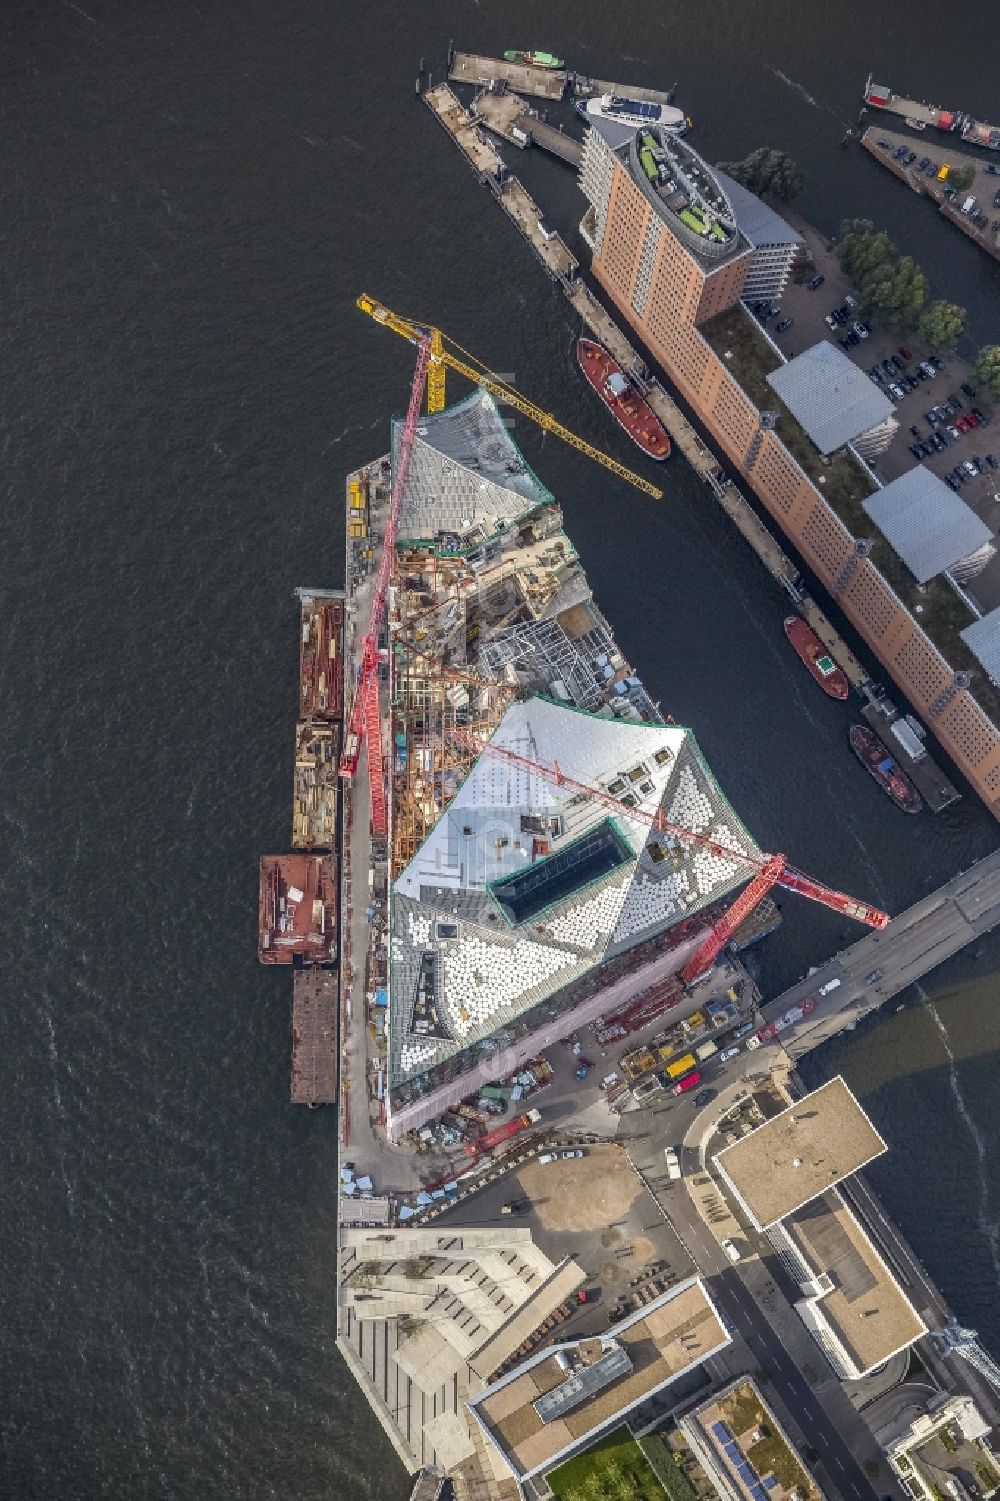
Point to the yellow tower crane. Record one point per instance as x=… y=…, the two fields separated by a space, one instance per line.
x=473 y=370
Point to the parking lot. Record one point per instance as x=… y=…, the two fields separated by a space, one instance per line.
x=808 y=311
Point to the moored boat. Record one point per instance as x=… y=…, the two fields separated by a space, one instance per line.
x=879 y=764
x=534 y=59
x=639 y=114
x=622 y=399
x=813 y=653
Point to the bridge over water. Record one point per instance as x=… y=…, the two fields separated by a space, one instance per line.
x=924 y=936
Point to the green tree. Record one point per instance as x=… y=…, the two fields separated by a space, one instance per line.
x=962 y=177
x=767 y=170
x=987 y=370
x=942 y=324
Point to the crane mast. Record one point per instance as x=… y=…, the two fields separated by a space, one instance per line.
x=442 y=357
x=366 y=721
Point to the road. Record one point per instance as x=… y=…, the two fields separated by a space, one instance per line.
x=749 y=1321
x=915 y=942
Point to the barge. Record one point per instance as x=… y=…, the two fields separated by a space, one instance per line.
x=811 y=651
x=622 y=400
x=880 y=765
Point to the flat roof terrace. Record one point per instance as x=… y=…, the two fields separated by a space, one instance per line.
x=669 y=1336
x=865 y=1309
x=800 y=1153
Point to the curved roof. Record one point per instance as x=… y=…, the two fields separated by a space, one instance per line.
x=685 y=192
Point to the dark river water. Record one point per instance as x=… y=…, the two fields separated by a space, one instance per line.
x=192 y=197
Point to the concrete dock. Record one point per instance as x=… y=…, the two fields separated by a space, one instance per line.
x=934 y=929
x=460 y=125
x=983 y=187
x=919 y=115
x=470 y=67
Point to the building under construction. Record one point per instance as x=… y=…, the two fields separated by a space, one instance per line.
x=516 y=900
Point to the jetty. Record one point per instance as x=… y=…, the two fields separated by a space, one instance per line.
x=918 y=114
x=314 y=1037
x=508 y=115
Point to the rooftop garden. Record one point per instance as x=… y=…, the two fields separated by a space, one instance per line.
x=941 y=612
x=770 y=1454
x=614 y=1469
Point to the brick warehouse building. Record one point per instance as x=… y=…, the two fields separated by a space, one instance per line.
x=669 y=251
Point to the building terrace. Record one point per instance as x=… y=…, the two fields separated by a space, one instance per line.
x=845 y=484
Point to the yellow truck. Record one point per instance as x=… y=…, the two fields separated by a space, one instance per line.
x=681 y=1066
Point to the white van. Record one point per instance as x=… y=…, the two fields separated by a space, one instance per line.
x=673 y=1166
x=830 y=985
x=549 y=1157
x=730 y=1250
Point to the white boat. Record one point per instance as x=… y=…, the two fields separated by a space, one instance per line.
x=636 y=113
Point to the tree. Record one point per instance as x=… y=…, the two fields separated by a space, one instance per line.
x=767 y=170
x=962 y=177
x=987 y=370
x=942 y=324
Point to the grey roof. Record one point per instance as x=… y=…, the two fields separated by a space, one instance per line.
x=983 y=640
x=759 y=223
x=613 y=131
x=832 y=399
x=929 y=526
x=467 y=476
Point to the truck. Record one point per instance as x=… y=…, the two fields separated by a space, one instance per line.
x=502 y=1133
x=681 y=1066
x=673 y=1165
x=705 y=1050
x=690 y=1082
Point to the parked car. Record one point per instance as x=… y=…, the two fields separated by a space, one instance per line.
x=897 y=391
x=905 y=353
x=852 y=339
x=549 y=1157
x=862 y=330
x=937 y=362
x=923 y=164
x=874 y=977
x=831 y=321
x=954 y=433
x=917 y=450
x=728 y=1053
x=977 y=463
x=932 y=417
x=573 y=1152
x=992 y=460
x=993 y=170
x=978 y=415
x=956 y=405
x=969 y=468
x=915 y=430
x=972 y=419
x=816 y=283
x=969 y=391
x=785 y=324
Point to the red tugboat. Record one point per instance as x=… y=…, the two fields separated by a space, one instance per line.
x=622 y=399
x=815 y=656
x=878 y=763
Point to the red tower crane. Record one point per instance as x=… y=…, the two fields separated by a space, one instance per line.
x=366 y=720
x=772 y=870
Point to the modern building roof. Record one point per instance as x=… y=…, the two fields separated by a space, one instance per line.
x=761 y=1468
x=800 y=1153
x=467 y=477
x=928 y=525
x=983 y=640
x=686 y=194
x=523 y=886
x=758 y=221
x=859 y=1300
x=634 y=1359
x=829 y=396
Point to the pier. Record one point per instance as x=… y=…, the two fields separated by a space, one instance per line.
x=934 y=929
x=543 y=83
x=919 y=115
x=449 y=110
x=507 y=115
x=983 y=187
x=314 y=1037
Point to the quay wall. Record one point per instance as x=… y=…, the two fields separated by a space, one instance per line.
x=675 y=300
x=929 y=187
